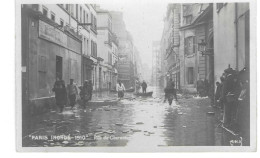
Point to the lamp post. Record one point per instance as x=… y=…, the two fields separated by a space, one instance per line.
x=202 y=48
x=82 y=24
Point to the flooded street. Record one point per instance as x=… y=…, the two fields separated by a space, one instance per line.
x=131 y=122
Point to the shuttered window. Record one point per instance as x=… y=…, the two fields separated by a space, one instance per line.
x=189 y=44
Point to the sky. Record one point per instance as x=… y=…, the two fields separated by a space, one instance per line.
x=145 y=23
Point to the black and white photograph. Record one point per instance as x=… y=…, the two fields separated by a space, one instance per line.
x=140 y=76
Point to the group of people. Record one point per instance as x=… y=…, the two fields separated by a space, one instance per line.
x=203 y=88
x=69 y=94
x=142 y=85
x=232 y=96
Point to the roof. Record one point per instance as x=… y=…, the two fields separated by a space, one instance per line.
x=200 y=19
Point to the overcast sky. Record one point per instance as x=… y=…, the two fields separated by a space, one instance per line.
x=145 y=23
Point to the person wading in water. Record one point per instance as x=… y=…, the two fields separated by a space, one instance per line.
x=72 y=93
x=120 y=88
x=60 y=94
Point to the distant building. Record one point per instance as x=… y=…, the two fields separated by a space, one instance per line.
x=187 y=25
x=114 y=60
x=56 y=44
x=156 y=64
x=126 y=72
x=147 y=74
x=106 y=46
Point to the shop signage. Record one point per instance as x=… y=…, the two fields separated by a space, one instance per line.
x=52 y=34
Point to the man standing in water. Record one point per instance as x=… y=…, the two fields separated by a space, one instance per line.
x=170 y=92
x=144 y=86
x=120 y=88
x=90 y=89
x=72 y=93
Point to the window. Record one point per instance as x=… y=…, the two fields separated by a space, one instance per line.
x=219 y=6
x=84 y=18
x=189 y=46
x=109 y=39
x=53 y=17
x=95 y=23
x=72 y=10
x=77 y=7
x=35 y=7
x=93 y=49
x=67 y=7
x=188 y=19
x=85 y=46
x=42 y=80
x=109 y=58
x=61 y=22
x=92 y=24
x=45 y=11
x=80 y=14
x=42 y=70
x=190 y=75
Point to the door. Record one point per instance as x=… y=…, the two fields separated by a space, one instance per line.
x=59 y=67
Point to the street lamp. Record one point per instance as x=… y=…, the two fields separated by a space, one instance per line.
x=82 y=24
x=202 y=48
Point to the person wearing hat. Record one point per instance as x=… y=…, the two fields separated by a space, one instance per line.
x=230 y=93
x=120 y=88
x=72 y=93
x=84 y=94
x=60 y=94
x=90 y=89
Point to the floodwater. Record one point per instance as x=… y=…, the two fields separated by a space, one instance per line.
x=132 y=122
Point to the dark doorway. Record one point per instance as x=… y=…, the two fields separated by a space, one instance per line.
x=59 y=67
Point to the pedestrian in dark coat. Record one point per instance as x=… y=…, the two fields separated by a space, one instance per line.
x=244 y=104
x=170 y=92
x=206 y=87
x=60 y=94
x=90 y=89
x=200 y=87
x=72 y=93
x=230 y=93
x=144 y=86
x=84 y=94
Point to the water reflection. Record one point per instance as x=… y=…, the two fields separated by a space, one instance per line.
x=131 y=122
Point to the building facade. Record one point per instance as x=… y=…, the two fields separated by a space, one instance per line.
x=169 y=46
x=114 y=60
x=126 y=72
x=235 y=28
x=156 y=64
x=58 y=41
x=108 y=49
x=187 y=25
x=232 y=43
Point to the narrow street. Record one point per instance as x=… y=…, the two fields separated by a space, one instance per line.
x=133 y=121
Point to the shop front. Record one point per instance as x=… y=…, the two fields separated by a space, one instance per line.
x=49 y=53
